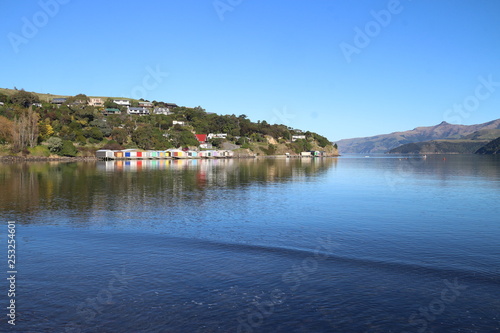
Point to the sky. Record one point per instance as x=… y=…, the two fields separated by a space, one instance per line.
x=340 y=68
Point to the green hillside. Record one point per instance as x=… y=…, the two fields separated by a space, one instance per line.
x=31 y=125
x=492 y=148
x=440 y=147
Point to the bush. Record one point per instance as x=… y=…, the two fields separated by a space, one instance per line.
x=40 y=151
x=120 y=135
x=54 y=144
x=68 y=149
x=81 y=139
x=271 y=149
x=112 y=145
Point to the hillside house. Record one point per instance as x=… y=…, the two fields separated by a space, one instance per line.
x=177 y=122
x=58 y=101
x=202 y=138
x=109 y=111
x=164 y=111
x=122 y=102
x=138 y=110
x=145 y=104
x=216 y=136
x=298 y=137
x=171 y=105
x=96 y=101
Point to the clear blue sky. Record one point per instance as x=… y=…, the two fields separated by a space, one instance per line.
x=301 y=62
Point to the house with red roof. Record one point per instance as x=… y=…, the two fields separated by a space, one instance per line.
x=202 y=138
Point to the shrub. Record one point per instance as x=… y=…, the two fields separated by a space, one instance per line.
x=40 y=151
x=113 y=145
x=68 y=149
x=81 y=139
x=54 y=144
x=120 y=135
x=271 y=149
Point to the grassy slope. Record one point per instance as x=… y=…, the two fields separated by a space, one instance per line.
x=49 y=97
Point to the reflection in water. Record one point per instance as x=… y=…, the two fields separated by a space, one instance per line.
x=84 y=187
x=214 y=240
x=399 y=169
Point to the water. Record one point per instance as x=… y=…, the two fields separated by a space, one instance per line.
x=354 y=244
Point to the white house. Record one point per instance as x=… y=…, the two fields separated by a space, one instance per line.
x=176 y=122
x=122 y=102
x=165 y=111
x=216 y=136
x=146 y=104
x=95 y=101
x=298 y=137
x=137 y=110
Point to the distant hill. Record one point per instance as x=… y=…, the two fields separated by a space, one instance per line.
x=493 y=147
x=468 y=144
x=440 y=147
x=386 y=142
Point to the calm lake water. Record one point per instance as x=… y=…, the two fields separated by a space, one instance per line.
x=349 y=244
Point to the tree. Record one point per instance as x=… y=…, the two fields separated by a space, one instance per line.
x=322 y=141
x=24 y=98
x=45 y=130
x=217 y=143
x=6 y=126
x=102 y=125
x=110 y=104
x=25 y=130
x=4 y=98
x=271 y=149
x=93 y=133
x=114 y=120
x=67 y=133
x=301 y=145
x=120 y=135
x=54 y=144
x=149 y=137
x=113 y=145
x=78 y=99
x=85 y=112
x=68 y=149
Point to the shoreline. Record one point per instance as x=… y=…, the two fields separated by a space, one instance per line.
x=46 y=159
x=93 y=158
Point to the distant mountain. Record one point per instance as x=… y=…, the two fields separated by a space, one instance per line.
x=384 y=143
x=493 y=147
x=440 y=147
x=468 y=144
